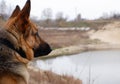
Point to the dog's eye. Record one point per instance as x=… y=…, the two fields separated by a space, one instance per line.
x=35 y=34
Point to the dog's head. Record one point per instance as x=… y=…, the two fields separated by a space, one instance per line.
x=26 y=33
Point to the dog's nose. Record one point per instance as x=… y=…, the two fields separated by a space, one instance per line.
x=43 y=49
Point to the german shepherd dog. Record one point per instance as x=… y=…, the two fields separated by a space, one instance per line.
x=19 y=43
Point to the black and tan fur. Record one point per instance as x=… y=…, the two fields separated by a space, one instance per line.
x=19 y=43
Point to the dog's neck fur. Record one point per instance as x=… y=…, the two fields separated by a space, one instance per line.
x=7 y=42
x=10 y=50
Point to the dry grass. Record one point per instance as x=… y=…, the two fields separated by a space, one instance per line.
x=48 y=77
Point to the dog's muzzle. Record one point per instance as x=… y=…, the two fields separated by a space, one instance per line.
x=42 y=50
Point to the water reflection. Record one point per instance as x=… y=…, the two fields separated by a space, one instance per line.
x=96 y=67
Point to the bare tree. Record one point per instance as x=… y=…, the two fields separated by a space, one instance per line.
x=60 y=20
x=78 y=18
x=59 y=15
x=47 y=15
x=3 y=8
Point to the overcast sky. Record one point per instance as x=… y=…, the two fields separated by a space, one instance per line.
x=89 y=9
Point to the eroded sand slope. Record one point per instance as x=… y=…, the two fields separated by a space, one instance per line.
x=109 y=33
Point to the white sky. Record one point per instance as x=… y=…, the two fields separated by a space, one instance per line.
x=89 y=9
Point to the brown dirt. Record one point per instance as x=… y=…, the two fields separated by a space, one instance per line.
x=60 y=39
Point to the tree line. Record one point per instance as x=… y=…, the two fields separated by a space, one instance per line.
x=60 y=20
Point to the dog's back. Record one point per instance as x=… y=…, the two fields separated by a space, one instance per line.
x=11 y=71
x=8 y=78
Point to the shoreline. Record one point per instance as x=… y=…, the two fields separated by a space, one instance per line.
x=76 y=49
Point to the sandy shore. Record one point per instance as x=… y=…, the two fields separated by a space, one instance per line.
x=79 y=49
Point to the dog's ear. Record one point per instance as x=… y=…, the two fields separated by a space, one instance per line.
x=15 y=12
x=25 y=12
x=23 y=17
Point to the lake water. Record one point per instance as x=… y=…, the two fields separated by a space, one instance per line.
x=94 y=67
